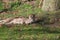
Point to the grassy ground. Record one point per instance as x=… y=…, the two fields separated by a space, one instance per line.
x=27 y=32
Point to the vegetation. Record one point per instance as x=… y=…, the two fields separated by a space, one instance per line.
x=47 y=29
x=1 y=6
x=29 y=32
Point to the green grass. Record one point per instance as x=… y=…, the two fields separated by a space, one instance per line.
x=24 y=9
x=1 y=6
x=29 y=32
